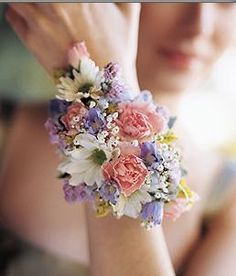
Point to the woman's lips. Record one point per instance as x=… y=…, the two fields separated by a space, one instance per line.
x=178 y=59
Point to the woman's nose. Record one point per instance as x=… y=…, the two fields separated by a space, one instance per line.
x=201 y=19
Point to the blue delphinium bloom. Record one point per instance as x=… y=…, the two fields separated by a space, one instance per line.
x=152 y=212
x=109 y=191
x=95 y=121
x=150 y=155
x=57 y=108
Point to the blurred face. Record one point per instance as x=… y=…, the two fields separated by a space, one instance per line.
x=180 y=42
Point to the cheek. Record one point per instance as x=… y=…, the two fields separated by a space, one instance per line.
x=157 y=27
x=158 y=21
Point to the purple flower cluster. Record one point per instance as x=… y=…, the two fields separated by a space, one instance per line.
x=79 y=193
x=117 y=92
x=111 y=71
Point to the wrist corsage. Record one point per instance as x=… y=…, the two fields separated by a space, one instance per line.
x=119 y=151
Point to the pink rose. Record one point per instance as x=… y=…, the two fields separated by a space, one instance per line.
x=76 y=53
x=128 y=171
x=73 y=117
x=138 y=121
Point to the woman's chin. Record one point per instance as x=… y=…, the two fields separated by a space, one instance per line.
x=172 y=83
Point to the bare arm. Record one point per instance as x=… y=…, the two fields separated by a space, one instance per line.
x=122 y=247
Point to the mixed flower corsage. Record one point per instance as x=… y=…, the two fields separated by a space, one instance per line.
x=119 y=150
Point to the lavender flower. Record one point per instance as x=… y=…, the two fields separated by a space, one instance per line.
x=109 y=191
x=55 y=136
x=150 y=155
x=79 y=193
x=111 y=71
x=95 y=121
x=52 y=130
x=153 y=212
x=116 y=92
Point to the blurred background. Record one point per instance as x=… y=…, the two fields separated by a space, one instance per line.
x=209 y=112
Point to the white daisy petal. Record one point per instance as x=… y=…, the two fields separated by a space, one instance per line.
x=89 y=178
x=120 y=205
x=87 y=141
x=80 y=153
x=76 y=179
x=99 y=177
x=62 y=167
x=83 y=165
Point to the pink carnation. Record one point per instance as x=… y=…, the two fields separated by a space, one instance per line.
x=128 y=171
x=76 y=53
x=138 y=121
x=73 y=117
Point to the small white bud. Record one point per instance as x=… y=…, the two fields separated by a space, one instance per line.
x=160 y=168
x=76 y=119
x=115 y=130
x=135 y=143
x=104 y=133
x=86 y=95
x=109 y=118
x=76 y=140
x=115 y=115
x=92 y=104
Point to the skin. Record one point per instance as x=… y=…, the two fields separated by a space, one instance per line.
x=196 y=29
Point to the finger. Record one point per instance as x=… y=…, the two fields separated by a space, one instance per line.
x=26 y=10
x=18 y=23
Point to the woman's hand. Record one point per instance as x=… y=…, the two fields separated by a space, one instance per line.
x=48 y=30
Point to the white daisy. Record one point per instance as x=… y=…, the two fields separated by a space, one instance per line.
x=85 y=162
x=132 y=205
x=88 y=77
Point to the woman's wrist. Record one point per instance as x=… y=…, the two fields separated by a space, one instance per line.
x=120 y=247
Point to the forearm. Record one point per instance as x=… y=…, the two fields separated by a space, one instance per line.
x=31 y=197
x=121 y=247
